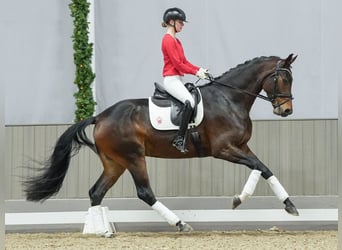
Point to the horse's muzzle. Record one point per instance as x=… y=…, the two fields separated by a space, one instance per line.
x=282 y=111
x=283 y=107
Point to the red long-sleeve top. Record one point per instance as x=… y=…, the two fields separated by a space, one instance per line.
x=175 y=62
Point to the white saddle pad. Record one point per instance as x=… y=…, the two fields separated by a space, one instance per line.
x=160 y=117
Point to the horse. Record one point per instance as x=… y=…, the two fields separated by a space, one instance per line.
x=123 y=136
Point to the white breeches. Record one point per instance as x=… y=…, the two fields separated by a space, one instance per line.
x=174 y=86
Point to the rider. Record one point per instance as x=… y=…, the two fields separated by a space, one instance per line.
x=175 y=66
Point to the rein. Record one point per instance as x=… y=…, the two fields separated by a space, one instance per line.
x=266 y=98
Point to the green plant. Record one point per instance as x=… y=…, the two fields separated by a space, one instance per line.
x=83 y=51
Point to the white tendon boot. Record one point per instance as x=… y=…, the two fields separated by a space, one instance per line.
x=250 y=185
x=108 y=225
x=97 y=222
x=277 y=188
x=171 y=218
x=166 y=213
x=248 y=189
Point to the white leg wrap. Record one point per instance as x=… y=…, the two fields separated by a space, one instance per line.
x=250 y=185
x=110 y=228
x=277 y=188
x=97 y=222
x=97 y=218
x=166 y=213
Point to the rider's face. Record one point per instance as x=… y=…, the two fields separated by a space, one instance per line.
x=178 y=25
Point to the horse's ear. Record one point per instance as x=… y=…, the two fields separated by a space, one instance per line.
x=290 y=59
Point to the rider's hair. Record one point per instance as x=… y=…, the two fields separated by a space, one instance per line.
x=163 y=24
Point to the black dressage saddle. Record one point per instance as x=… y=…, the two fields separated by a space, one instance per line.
x=162 y=98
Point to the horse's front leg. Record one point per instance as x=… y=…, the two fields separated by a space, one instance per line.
x=275 y=185
x=145 y=193
x=258 y=169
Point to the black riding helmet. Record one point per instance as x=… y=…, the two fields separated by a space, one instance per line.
x=174 y=14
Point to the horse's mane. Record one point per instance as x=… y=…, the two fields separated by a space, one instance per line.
x=247 y=64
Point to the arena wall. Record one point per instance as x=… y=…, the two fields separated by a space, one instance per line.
x=301 y=153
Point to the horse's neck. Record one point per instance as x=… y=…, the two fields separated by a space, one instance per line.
x=248 y=84
x=252 y=82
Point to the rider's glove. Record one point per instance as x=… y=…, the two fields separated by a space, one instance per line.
x=202 y=73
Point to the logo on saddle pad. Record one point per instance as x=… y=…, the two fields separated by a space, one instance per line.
x=166 y=111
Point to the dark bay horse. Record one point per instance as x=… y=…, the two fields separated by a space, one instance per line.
x=123 y=136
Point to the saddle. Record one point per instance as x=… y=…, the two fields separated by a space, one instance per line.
x=165 y=112
x=162 y=98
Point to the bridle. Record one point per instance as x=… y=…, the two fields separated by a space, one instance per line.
x=271 y=98
x=276 y=92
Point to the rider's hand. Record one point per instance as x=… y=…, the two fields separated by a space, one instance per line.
x=210 y=77
x=202 y=73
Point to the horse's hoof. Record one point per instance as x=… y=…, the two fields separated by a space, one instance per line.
x=236 y=202
x=184 y=227
x=292 y=210
x=106 y=234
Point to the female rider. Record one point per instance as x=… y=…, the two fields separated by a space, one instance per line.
x=175 y=66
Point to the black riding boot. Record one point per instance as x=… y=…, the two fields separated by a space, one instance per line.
x=180 y=140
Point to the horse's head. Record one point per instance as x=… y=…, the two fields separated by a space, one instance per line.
x=278 y=85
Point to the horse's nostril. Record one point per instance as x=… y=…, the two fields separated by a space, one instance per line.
x=288 y=111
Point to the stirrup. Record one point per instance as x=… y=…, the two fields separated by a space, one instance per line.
x=179 y=143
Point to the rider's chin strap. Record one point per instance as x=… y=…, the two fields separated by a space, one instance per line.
x=174 y=26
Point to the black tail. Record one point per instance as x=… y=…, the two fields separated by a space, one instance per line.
x=49 y=182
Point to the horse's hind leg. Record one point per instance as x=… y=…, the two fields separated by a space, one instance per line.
x=145 y=193
x=112 y=171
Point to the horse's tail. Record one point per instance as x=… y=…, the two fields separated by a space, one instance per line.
x=49 y=181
